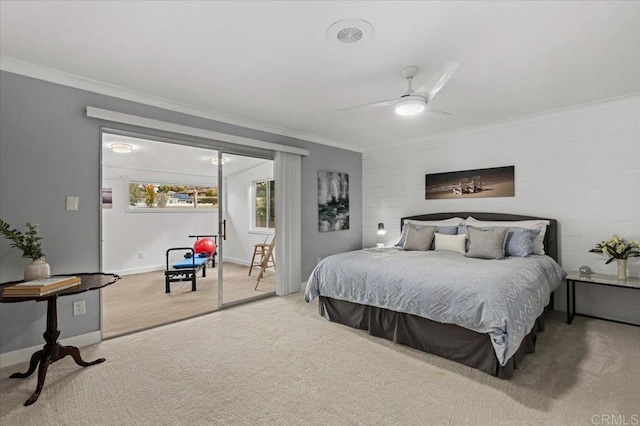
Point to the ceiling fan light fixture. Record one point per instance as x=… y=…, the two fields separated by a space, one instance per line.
x=121 y=148
x=412 y=105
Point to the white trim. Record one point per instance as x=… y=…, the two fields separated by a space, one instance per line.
x=149 y=123
x=243 y=263
x=22 y=355
x=186 y=209
x=522 y=119
x=237 y=261
x=152 y=268
x=71 y=80
x=303 y=285
x=252 y=207
x=262 y=231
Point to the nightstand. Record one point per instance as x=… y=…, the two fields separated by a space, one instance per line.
x=596 y=279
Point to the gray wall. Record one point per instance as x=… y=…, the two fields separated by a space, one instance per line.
x=49 y=149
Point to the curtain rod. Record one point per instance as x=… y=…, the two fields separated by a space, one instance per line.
x=150 y=123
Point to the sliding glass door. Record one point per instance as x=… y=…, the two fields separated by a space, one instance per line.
x=159 y=210
x=182 y=223
x=247 y=226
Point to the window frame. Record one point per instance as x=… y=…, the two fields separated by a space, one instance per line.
x=253 y=229
x=129 y=209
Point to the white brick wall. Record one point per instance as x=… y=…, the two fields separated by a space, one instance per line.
x=578 y=165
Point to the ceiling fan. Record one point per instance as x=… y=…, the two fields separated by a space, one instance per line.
x=415 y=101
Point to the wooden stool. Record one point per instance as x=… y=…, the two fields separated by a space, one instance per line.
x=259 y=249
x=267 y=262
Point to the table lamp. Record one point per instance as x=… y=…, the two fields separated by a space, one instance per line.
x=381 y=232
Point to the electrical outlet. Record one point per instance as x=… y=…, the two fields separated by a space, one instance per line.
x=79 y=307
x=140 y=255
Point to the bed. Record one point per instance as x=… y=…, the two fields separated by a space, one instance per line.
x=481 y=313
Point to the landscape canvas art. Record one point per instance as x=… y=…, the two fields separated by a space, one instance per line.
x=478 y=183
x=333 y=201
x=107 y=198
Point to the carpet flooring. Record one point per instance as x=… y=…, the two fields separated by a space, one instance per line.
x=138 y=301
x=276 y=361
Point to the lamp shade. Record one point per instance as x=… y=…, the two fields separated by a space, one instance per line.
x=381 y=230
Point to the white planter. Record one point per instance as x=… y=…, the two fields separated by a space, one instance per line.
x=622 y=269
x=36 y=270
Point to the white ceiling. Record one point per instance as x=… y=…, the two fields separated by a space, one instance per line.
x=153 y=156
x=269 y=62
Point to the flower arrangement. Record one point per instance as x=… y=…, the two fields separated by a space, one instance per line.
x=30 y=243
x=618 y=248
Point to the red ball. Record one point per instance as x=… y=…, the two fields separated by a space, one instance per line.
x=205 y=245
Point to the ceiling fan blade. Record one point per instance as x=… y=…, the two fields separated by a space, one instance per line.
x=438 y=80
x=374 y=104
x=434 y=113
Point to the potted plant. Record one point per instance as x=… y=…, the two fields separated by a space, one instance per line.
x=30 y=243
x=619 y=249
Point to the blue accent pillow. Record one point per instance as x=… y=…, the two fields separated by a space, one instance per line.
x=520 y=241
x=447 y=230
x=462 y=229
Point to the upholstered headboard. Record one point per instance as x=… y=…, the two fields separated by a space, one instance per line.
x=550 y=237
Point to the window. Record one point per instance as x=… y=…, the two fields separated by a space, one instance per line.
x=146 y=196
x=263 y=204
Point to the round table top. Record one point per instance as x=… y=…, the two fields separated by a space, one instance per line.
x=89 y=281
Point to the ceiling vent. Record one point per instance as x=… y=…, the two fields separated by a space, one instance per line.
x=349 y=33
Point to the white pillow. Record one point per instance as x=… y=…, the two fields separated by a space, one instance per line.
x=450 y=242
x=540 y=225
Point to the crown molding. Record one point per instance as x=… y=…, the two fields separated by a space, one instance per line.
x=71 y=80
x=524 y=119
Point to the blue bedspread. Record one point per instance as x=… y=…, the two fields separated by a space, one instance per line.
x=500 y=297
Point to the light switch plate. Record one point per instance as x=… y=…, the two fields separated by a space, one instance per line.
x=72 y=203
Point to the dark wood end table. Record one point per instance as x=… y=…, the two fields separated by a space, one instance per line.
x=53 y=350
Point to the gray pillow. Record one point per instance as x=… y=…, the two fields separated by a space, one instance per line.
x=418 y=238
x=447 y=230
x=487 y=243
x=520 y=241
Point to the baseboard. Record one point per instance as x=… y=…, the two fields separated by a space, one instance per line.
x=139 y=270
x=303 y=285
x=238 y=261
x=22 y=355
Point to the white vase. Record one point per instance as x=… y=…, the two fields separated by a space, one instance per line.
x=36 y=270
x=622 y=269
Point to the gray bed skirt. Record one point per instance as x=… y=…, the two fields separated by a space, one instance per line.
x=446 y=340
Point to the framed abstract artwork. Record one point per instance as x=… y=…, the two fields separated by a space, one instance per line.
x=333 y=201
